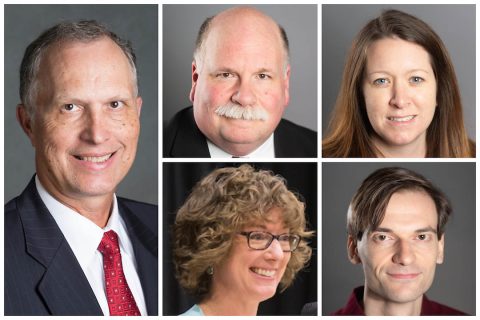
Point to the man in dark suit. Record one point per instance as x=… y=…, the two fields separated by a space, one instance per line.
x=72 y=247
x=240 y=89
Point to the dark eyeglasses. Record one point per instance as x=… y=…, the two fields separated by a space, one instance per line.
x=261 y=240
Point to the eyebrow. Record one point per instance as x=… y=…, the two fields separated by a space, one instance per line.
x=408 y=71
x=421 y=230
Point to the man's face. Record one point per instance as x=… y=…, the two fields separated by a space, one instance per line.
x=400 y=256
x=86 y=121
x=243 y=65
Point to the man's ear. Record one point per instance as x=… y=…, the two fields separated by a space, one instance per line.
x=441 y=244
x=353 y=250
x=194 y=80
x=139 y=103
x=287 y=86
x=25 y=122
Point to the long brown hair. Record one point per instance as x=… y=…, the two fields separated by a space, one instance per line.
x=349 y=132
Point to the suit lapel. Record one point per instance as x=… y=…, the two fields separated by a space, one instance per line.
x=63 y=287
x=145 y=246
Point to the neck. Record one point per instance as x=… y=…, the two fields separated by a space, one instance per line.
x=413 y=150
x=374 y=305
x=228 y=304
x=95 y=208
x=239 y=149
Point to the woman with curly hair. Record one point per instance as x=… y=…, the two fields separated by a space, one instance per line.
x=240 y=234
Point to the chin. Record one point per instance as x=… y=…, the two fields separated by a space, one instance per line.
x=404 y=295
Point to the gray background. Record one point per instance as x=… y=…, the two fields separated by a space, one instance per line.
x=180 y=27
x=454 y=283
x=455 y=24
x=137 y=23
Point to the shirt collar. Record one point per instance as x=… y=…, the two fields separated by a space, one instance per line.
x=82 y=234
x=266 y=150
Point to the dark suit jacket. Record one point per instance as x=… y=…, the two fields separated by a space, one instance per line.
x=183 y=139
x=42 y=275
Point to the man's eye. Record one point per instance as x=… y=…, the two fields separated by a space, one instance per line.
x=225 y=75
x=116 y=104
x=263 y=76
x=70 y=107
x=423 y=237
x=380 y=237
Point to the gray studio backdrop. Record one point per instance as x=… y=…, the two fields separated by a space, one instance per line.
x=454 y=283
x=180 y=27
x=137 y=23
x=455 y=24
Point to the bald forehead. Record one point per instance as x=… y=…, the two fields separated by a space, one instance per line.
x=244 y=23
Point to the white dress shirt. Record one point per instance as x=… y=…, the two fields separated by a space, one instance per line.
x=84 y=236
x=266 y=150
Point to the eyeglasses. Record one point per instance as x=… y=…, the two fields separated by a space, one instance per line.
x=261 y=240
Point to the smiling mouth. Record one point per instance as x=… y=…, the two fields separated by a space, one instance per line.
x=401 y=119
x=404 y=276
x=95 y=159
x=263 y=272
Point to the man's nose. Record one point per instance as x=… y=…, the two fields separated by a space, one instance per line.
x=404 y=253
x=401 y=95
x=96 y=129
x=244 y=94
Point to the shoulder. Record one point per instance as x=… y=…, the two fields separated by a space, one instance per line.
x=354 y=306
x=432 y=308
x=294 y=141
x=193 y=311
x=182 y=138
x=145 y=212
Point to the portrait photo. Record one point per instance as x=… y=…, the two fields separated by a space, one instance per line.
x=138 y=24
x=198 y=43
x=378 y=231
x=398 y=80
x=239 y=239
x=81 y=160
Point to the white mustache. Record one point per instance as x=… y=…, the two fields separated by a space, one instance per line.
x=235 y=111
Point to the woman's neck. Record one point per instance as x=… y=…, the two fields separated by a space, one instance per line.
x=228 y=304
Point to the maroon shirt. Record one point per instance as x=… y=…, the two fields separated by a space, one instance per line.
x=354 y=307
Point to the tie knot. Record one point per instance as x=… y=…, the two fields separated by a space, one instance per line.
x=109 y=243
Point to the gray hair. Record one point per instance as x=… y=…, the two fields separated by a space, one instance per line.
x=81 y=31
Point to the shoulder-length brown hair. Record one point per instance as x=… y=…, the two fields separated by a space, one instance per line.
x=349 y=132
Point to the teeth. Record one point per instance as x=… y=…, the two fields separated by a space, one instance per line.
x=96 y=159
x=401 y=119
x=264 y=272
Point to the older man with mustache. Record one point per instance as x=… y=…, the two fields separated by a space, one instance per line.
x=240 y=89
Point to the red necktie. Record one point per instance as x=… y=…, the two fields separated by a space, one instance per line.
x=119 y=297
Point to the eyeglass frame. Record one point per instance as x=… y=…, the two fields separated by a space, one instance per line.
x=274 y=237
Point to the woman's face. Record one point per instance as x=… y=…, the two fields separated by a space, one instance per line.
x=400 y=92
x=253 y=274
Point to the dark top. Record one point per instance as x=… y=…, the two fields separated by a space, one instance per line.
x=42 y=275
x=354 y=307
x=183 y=139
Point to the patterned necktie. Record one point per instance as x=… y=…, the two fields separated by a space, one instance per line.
x=119 y=297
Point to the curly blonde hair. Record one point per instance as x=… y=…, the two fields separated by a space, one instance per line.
x=220 y=205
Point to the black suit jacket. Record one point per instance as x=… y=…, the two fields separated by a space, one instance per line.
x=183 y=139
x=42 y=275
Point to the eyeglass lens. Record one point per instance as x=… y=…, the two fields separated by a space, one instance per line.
x=262 y=240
